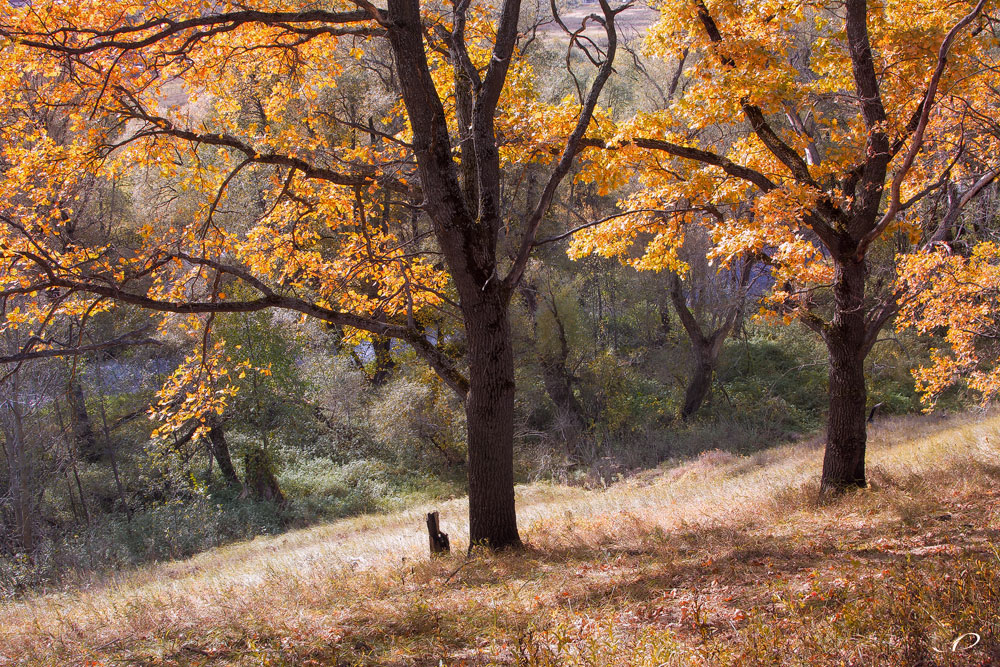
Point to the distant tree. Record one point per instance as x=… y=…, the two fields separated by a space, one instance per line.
x=710 y=300
x=710 y=310
x=552 y=308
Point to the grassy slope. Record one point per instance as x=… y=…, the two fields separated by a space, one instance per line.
x=720 y=560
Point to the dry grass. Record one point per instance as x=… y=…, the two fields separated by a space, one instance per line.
x=720 y=560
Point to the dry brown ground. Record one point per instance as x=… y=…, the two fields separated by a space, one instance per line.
x=720 y=560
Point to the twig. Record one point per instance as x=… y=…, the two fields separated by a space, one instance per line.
x=459 y=569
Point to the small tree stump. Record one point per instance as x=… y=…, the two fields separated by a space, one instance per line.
x=438 y=540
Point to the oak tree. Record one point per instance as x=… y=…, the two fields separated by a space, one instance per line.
x=836 y=121
x=373 y=225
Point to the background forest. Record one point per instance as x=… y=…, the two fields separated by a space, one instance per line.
x=622 y=361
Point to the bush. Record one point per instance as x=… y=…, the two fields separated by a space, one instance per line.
x=322 y=488
x=174 y=529
x=775 y=374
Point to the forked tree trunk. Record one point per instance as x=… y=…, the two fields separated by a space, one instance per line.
x=705 y=348
x=468 y=224
x=490 y=415
x=844 y=460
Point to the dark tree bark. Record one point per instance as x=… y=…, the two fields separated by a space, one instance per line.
x=220 y=451
x=700 y=383
x=665 y=328
x=83 y=430
x=261 y=482
x=438 y=541
x=79 y=491
x=847 y=343
x=490 y=416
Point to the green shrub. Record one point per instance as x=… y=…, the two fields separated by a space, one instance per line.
x=322 y=488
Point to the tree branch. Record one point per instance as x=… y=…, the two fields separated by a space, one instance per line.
x=917 y=141
x=572 y=147
x=778 y=147
x=163 y=28
x=28 y=354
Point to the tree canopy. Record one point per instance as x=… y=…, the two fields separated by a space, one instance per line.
x=821 y=139
x=387 y=170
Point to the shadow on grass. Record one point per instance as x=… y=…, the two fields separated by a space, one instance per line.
x=886 y=576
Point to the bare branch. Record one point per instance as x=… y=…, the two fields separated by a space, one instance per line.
x=27 y=352
x=572 y=147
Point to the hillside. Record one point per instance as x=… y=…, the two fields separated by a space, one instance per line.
x=718 y=560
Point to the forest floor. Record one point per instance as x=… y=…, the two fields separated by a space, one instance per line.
x=714 y=561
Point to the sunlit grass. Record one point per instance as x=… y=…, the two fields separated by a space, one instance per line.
x=717 y=560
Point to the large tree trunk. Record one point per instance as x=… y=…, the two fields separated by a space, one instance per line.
x=220 y=451
x=844 y=461
x=490 y=414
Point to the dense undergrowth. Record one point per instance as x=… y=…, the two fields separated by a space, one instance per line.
x=354 y=450
x=318 y=490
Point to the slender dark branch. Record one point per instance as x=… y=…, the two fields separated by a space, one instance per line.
x=27 y=353
x=270 y=299
x=221 y=191
x=877 y=318
x=163 y=28
x=595 y=223
x=763 y=183
x=917 y=141
x=573 y=146
x=164 y=127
